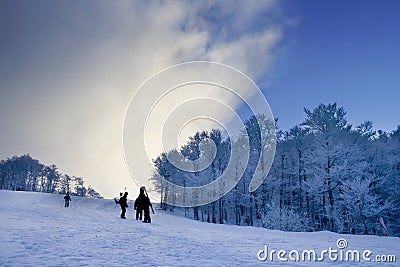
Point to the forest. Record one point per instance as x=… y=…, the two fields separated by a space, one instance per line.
x=326 y=175
x=23 y=173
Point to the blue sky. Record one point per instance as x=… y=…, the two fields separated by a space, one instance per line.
x=69 y=69
x=339 y=51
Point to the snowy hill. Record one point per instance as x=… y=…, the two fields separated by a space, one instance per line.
x=36 y=230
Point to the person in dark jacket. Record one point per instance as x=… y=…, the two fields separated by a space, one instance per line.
x=138 y=205
x=67 y=199
x=123 y=202
x=143 y=203
x=146 y=208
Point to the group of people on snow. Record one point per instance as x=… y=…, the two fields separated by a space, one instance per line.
x=142 y=205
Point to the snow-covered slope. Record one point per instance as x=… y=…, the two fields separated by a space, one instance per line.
x=36 y=230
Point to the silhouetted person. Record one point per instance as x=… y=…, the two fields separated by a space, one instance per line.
x=67 y=199
x=138 y=205
x=146 y=208
x=144 y=204
x=123 y=203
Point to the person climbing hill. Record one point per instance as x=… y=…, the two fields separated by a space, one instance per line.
x=143 y=203
x=123 y=202
x=138 y=206
x=67 y=199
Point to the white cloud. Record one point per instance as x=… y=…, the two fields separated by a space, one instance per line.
x=67 y=101
x=252 y=54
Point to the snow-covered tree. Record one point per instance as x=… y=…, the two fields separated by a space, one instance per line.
x=28 y=174
x=326 y=175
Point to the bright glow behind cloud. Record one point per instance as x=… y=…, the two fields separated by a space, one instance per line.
x=81 y=65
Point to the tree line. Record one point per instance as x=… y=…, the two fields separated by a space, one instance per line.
x=24 y=173
x=326 y=175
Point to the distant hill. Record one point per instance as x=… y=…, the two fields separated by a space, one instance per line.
x=24 y=173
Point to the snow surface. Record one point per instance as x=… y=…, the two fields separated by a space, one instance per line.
x=36 y=230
